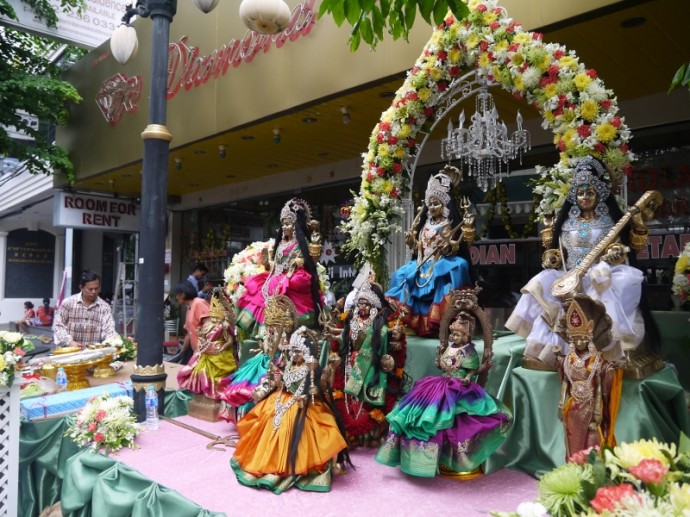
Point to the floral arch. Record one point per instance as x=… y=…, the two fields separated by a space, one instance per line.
x=572 y=100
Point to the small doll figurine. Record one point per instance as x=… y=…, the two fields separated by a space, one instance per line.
x=214 y=358
x=591 y=385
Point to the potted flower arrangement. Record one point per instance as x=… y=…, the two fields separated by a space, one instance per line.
x=13 y=346
x=105 y=422
x=681 y=278
x=645 y=477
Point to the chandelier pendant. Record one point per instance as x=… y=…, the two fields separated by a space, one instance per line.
x=485 y=148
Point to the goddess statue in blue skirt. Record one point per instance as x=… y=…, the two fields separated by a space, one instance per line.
x=419 y=286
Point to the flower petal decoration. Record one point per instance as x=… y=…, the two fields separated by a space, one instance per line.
x=572 y=100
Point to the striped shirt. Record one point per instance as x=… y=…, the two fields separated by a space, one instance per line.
x=74 y=321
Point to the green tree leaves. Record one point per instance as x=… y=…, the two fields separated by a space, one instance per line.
x=370 y=18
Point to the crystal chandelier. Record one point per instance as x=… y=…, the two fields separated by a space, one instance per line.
x=484 y=148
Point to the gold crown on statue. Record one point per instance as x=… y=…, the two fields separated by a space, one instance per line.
x=280 y=311
x=579 y=325
x=221 y=306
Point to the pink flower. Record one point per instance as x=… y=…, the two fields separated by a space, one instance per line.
x=481 y=8
x=649 y=471
x=580 y=457
x=392 y=140
x=92 y=427
x=616 y=121
x=442 y=55
x=494 y=26
x=18 y=351
x=100 y=415
x=98 y=437
x=380 y=171
x=584 y=130
x=394 y=192
x=397 y=168
x=607 y=497
x=606 y=104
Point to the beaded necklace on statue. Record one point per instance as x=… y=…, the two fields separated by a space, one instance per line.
x=290 y=377
x=286 y=253
x=581 y=390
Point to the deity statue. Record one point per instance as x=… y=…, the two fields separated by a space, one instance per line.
x=291 y=273
x=366 y=363
x=215 y=357
x=237 y=389
x=586 y=230
x=591 y=385
x=419 y=286
x=447 y=423
x=293 y=436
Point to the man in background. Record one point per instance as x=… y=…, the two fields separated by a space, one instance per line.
x=84 y=318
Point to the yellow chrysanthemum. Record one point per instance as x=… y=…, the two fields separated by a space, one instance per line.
x=568 y=137
x=549 y=116
x=589 y=110
x=568 y=62
x=386 y=186
x=582 y=80
x=383 y=150
x=502 y=46
x=436 y=74
x=405 y=131
x=484 y=60
x=519 y=83
x=3 y=363
x=522 y=38
x=454 y=55
x=489 y=17
x=550 y=90
x=431 y=60
x=399 y=152
x=435 y=38
x=606 y=132
x=424 y=94
x=517 y=59
x=631 y=454
x=472 y=41
x=371 y=155
x=682 y=264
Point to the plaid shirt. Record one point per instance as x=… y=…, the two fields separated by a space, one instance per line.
x=74 y=321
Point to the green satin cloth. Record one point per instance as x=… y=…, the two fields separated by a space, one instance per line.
x=674 y=329
x=507 y=348
x=100 y=486
x=44 y=453
x=652 y=407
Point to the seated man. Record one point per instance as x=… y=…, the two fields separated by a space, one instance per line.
x=43 y=318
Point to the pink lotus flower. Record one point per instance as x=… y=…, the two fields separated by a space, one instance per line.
x=98 y=437
x=649 y=471
x=607 y=497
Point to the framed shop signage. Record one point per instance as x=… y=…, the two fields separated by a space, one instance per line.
x=95 y=213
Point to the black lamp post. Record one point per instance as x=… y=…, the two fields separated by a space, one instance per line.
x=269 y=16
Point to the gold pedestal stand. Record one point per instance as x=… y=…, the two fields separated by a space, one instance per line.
x=76 y=374
x=449 y=473
x=103 y=369
x=204 y=408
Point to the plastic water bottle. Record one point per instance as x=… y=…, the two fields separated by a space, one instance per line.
x=61 y=380
x=151 y=409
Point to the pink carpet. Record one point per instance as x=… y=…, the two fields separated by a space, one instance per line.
x=178 y=459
